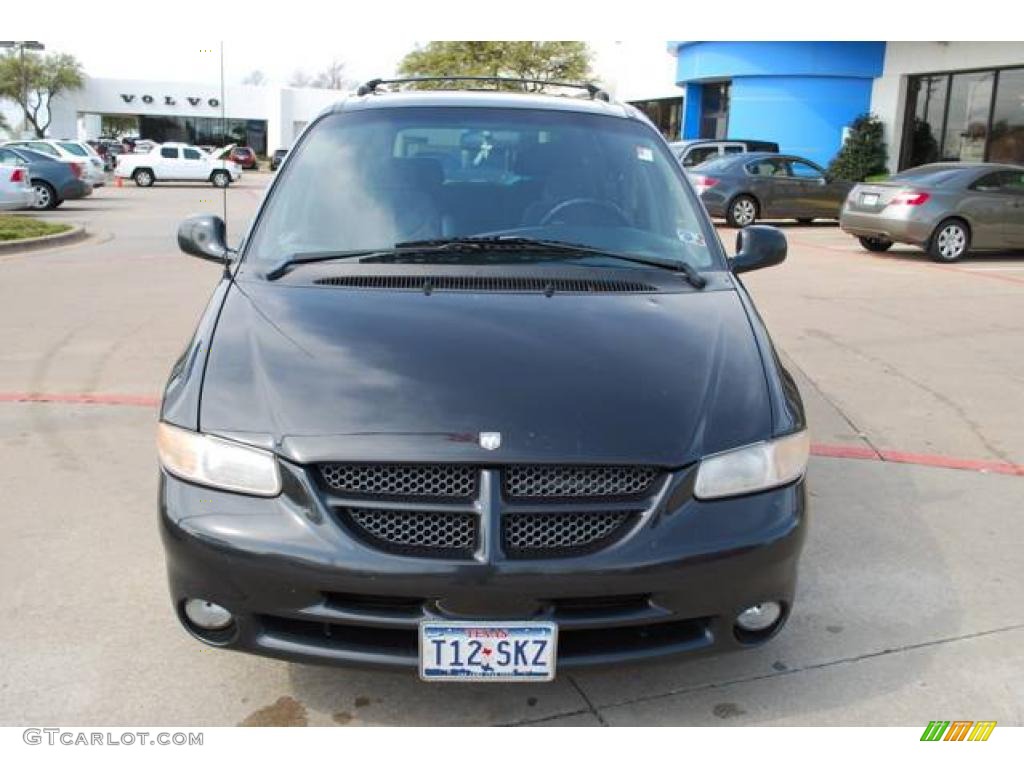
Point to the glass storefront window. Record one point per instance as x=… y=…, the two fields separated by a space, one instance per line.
x=666 y=114
x=927 y=104
x=1006 y=144
x=970 y=98
x=205 y=131
x=714 y=110
x=964 y=116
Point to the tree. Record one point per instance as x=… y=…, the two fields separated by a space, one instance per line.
x=333 y=77
x=119 y=125
x=299 y=79
x=863 y=153
x=256 y=77
x=567 y=61
x=5 y=128
x=32 y=81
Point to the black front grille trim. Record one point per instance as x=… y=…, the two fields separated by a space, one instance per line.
x=562 y=534
x=413 y=532
x=540 y=481
x=575 y=645
x=402 y=481
x=377 y=605
x=485 y=283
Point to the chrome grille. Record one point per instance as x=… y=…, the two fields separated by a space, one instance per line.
x=552 y=482
x=398 y=480
x=423 y=533
x=549 y=534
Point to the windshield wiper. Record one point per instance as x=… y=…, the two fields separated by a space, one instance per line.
x=282 y=267
x=421 y=248
x=500 y=242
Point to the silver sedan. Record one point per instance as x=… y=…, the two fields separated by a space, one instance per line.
x=948 y=209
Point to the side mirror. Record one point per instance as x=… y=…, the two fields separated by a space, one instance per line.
x=758 y=246
x=204 y=236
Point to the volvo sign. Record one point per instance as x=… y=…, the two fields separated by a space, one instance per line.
x=170 y=101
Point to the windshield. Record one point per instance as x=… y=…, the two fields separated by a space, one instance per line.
x=368 y=180
x=74 y=149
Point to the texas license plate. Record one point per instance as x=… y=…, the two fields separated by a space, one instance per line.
x=463 y=651
x=869 y=198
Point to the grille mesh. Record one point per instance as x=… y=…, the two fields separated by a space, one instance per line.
x=434 y=481
x=539 y=533
x=496 y=283
x=423 y=532
x=539 y=482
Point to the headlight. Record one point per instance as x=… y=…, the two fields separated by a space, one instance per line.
x=751 y=468
x=216 y=462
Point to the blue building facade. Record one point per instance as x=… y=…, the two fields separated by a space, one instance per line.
x=798 y=94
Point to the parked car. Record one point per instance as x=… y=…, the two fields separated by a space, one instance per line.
x=68 y=152
x=435 y=419
x=52 y=181
x=948 y=209
x=243 y=157
x=15 y=189
x=176 y=162
x=277 y=158
x=693 y=152
x=759 y=185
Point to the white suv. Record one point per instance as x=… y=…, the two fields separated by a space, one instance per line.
x=69 y=151
x=176 y=162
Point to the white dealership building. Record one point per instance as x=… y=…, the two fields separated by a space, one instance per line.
x=262 y=117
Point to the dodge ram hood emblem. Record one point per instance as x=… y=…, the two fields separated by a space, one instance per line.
x=490 y=441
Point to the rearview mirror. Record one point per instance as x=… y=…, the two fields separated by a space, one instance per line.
x=204 y=236
x=758 y=246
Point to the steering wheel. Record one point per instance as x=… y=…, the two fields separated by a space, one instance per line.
x=589 y=202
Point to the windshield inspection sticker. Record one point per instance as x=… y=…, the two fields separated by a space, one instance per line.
x=645 y=153
x=696 y=238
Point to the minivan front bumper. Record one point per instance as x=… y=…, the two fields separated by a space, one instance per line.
x=301 y=587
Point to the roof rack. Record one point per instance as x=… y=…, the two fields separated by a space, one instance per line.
x=370 y=86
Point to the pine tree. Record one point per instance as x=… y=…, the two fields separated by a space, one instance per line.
x=863 y=154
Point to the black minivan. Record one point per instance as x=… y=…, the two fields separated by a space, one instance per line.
x=481 y=395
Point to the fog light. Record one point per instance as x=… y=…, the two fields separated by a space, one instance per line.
x=760 y=617
x=207 y=615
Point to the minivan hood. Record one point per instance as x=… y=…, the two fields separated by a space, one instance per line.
x=324 y=373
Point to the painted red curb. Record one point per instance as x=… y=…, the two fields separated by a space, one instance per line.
x=844 y=451
x=949 y=462
x=79 y=399
x=918 y=459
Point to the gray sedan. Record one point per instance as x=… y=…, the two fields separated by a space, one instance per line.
x=762 y=185
x=947 y=209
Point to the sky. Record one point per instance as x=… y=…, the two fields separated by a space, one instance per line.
x=637 y=68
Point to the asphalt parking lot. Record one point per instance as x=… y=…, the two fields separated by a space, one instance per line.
x=911 y=601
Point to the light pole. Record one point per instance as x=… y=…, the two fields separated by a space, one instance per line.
x=22 y=46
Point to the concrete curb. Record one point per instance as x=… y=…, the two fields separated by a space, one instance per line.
x=77 y=232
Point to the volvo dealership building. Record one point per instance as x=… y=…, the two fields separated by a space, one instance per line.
x=937 y=100
x=264 y=118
